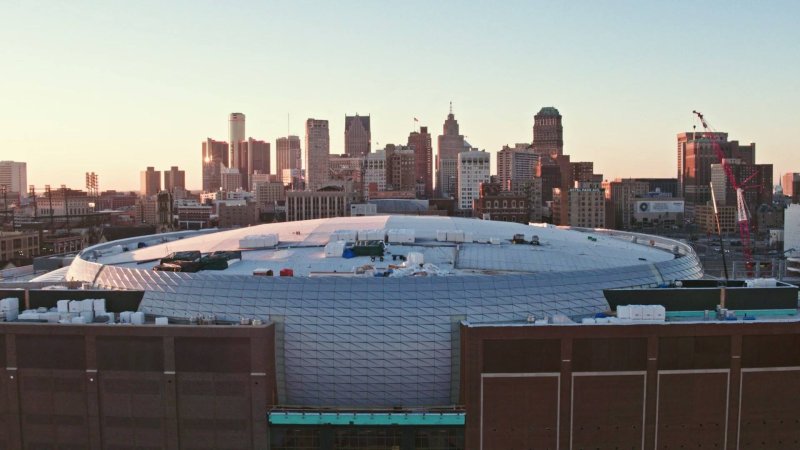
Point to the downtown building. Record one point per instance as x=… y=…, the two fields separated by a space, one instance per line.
x=14 y=176
x=757 y=179
x=516 y=165
x=790 y=183
x=548 y=133
x=420 y=142
x=150 y=182
x=317 y=151
x=450 y=144
x=696 y=154
x=215 y=158
x=473 y=171
x=288 y=154
x=357 y=136
x=174 y=178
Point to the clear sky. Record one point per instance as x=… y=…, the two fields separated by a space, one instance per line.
x=112 y=87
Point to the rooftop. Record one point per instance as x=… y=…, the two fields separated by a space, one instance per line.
x=488 y=249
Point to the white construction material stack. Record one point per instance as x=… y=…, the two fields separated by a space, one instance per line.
x=259 y=241
x=469 y=237
x=441 y=235
x=414 y=259
x=371 y=235
x=344 y=235
x=642 y=312
x=10 y=308
x=400 y=236
x=334 y=249
x=761 y=282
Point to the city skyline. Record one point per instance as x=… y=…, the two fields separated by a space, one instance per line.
x=91 y=95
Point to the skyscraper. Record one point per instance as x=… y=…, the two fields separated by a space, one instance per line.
x=790 y=182
x=215 y=156
x=14 y=176
x=174 y=178
x=318 y=146
x=696 y=154
x=473 y=170
x=357 y=136
x=255 y=158
x=548 y=134
x=515 y=164
x=450 y=145
x=150 y=181
x=236 y=134
x=287 y=153
x=420 y=141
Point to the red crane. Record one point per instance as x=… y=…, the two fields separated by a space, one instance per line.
x=742 y=214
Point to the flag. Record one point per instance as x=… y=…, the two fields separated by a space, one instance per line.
x=415 y=119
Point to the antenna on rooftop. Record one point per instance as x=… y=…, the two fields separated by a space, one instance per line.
x=451 y=107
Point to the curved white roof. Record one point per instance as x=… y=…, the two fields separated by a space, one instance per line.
x=301 y=248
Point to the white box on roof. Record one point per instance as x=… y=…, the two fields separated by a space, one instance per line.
x=259 y=241
x=455 y=236
x=334 y=249
x=344 y=235
x=371 y=235
x=469 y=236
x=441 y=235
x=414 y=259
x=400 y=236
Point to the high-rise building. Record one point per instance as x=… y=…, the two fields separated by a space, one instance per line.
x=315 y=159
x=374 y=173
x=548 y=133
x=255 y=159
x=400 y=168
x=420 y=142
x=174 y=178
x=357 y=136
x=620 y=195
x=585 y=203
x=696 y=154
x=231 y=179
x=515 y=164
x=583 y=171
x=236 y=134
x=287 y=153
x=150 y=181
x=758 y=186
x=473 y=169
x=665 y=186
x=790 y=182
x=450 y=145
x=14 y=176
x=215 y=156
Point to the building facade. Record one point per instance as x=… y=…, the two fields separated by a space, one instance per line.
x=374 y=173
x=215 y=157
x=516 y=164
x=420 y=142
x=473 y=170
x=357 y=136
x=287 y=154
x=236 y=135
x=174 y=178
x=548 y=132
x=317 y=151
x=321 y=204
x=495 y=203
x=620 y=195
x=790 y=182
x=400 y=168
x=757 y=179
x=150 y=181
x=450 y=144
x=14 y=176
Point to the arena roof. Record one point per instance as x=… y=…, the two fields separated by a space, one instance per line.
x=301 y=248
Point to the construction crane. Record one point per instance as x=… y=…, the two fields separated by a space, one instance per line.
x=742 y=214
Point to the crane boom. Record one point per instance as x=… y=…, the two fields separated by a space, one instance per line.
x=742 y=214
